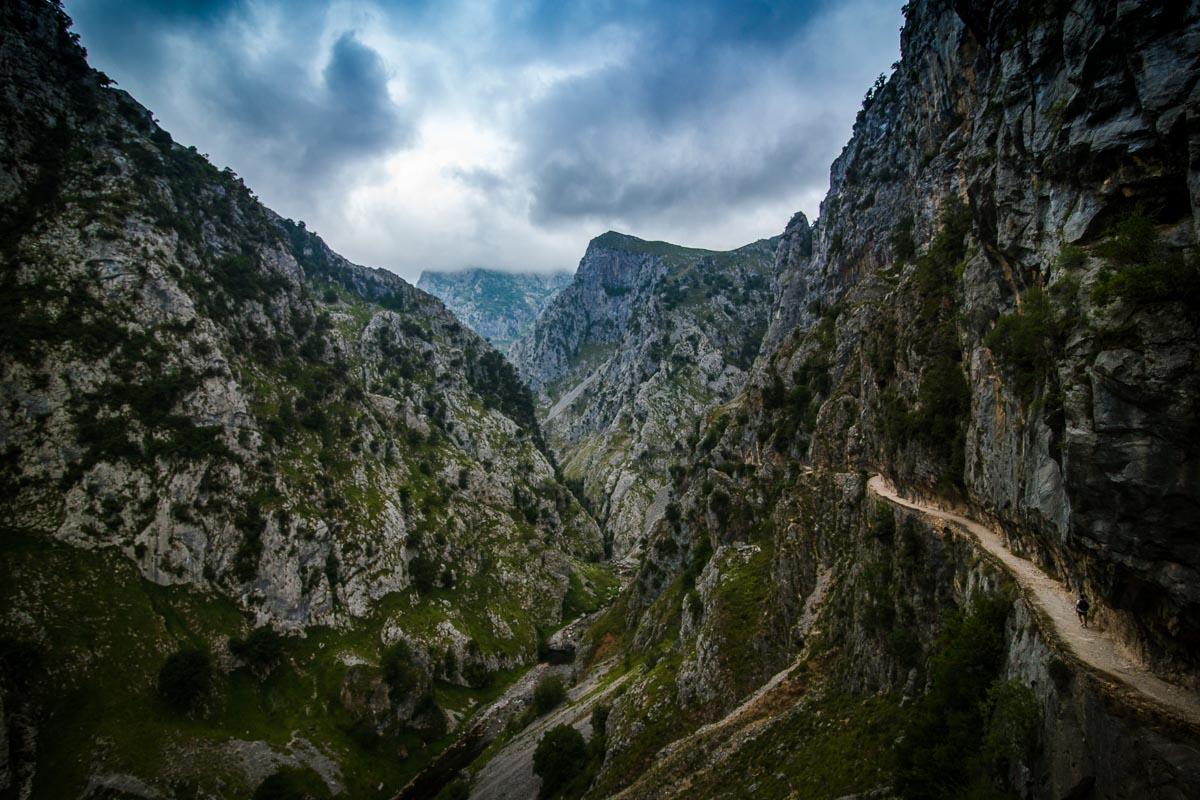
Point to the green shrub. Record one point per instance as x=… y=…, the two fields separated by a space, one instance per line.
x=548 y=694
x=904 y=246
x=941 y=754
x=720 y=505
x=1132 y=239
x=185 y=679
x=883 y=527
x=1026 y=342
x=904 y=646
x=191 y=442
x=249 y=551
x=449 y=664
x=245 y=278
x=499 y=386
x=292 y=783
x=1168 y=278
x=1070 y=257
x=599 y=741
x=106 y=438
x=561 y=755
x=1147 y=272
x=935 y=270
x=476 y=675
x=940 y=421
x=260 y=651
x=424 y=572
x=774 y=393
x=400 y=671
x=1013 y=716
x=698 y=556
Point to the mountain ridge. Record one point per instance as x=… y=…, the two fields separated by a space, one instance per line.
x=499 y=305
x=626 y=359
x=273 y=518
x=981 y=313
x=226 y=446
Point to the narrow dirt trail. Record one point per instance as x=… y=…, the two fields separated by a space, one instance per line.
x=1096 y=648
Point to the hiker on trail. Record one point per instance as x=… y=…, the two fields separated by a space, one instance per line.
x=1081 y=608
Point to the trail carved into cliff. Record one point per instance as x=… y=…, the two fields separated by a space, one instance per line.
x=1096 y=648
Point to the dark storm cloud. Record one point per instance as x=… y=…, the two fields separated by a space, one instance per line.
x=701 y=114
x=261 y=98
x=345 y=115
x=437 y=133
x=133 y=33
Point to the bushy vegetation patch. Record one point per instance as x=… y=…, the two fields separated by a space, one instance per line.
x=400 y=671
x=962 y=734
x=939 y=417
x=938 y=268
x=260 y=651
x=1146 y=272
x=549 y=694
x=1027 y=342
x=904 y=246
x=560 y=757
x=185 y=680
x=828 y=745
x=565 y=763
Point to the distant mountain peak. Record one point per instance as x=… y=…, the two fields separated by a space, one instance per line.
x=614 y=240
x=497 y=304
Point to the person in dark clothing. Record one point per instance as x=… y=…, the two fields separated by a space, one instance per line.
x=1081 y=608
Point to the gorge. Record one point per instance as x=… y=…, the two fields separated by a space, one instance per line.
x=805 y=518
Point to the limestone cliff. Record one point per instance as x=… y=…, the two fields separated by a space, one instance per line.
x=629 y=357
x=210 y=421
x=1005 y=265
x=498 y=305
x=997 y=308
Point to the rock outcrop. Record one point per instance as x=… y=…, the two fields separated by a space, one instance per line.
x=627 y=359
x=200 y=393
x=998 y=307
x=498 y=305
x=209 y=416
x=994 y=258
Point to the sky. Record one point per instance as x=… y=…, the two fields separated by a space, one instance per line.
x=443 y=134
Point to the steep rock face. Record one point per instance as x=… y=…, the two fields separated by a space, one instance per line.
x=498 y=305
x=839 y=595
x=997 y=306
x=989 y=289
x=200 y=390
x=626 y=359
x=180 y=363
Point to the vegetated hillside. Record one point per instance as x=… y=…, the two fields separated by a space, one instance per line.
x=211 y=422
x=999 y=310
x=626 y=360
x=498 y=305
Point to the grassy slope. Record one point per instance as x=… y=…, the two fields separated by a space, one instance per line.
x=110 y=631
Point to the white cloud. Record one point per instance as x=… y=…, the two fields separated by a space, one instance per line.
x=478 y=133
